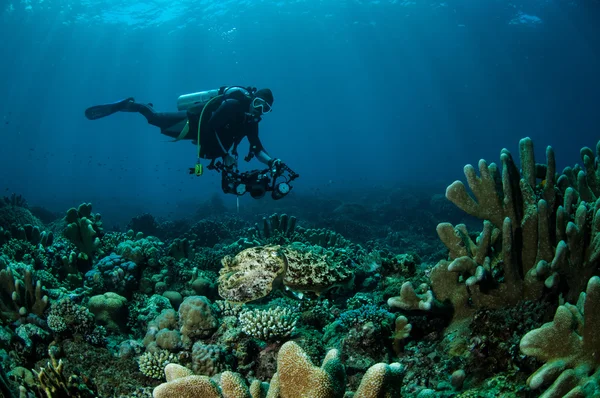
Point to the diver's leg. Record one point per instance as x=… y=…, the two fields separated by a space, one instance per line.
x=163 y=120
x=100 y=111
x=170 y=123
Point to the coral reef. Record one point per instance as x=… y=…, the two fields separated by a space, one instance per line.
x=490 y=290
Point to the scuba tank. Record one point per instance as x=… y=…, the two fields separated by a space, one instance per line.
x=201 y=98
x=187 y=101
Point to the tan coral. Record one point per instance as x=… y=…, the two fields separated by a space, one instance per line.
x=299 y=378
x=259 y=389
x=570 y=346
x=234 y=386
x=381 y=381
x=175 y=371
x=296 y=377
x=188 y=387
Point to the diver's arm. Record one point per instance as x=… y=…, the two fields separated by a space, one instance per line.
x=256 y=146
x=264 y=157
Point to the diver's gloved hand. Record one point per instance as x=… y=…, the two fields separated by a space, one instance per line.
x=275 y=165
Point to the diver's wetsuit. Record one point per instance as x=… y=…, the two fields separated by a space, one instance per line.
x=228 y=123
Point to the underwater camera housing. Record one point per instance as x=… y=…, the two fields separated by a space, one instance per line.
x=256 y=182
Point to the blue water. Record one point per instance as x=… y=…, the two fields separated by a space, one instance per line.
x=366 y=92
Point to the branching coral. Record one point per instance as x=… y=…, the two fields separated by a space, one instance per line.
x=570 y=346
x=53 y=382
x=296 y=377
x=83 y=229
x=276 y=229
x=537 y=231
x=20 y=296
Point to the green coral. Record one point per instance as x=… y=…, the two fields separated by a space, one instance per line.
x=83 y=229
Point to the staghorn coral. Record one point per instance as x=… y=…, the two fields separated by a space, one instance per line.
x=14 y=200
x=207 y=233
x=570 y=346
x=270 y=324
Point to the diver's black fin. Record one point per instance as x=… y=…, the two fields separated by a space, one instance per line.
x=100 y=111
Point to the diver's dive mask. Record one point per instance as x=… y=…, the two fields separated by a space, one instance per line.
x=260 y=105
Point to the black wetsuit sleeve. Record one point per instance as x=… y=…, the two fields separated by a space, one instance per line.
x=225 y=113
x=252 y=134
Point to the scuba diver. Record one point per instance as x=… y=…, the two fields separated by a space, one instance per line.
x=217 y=121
